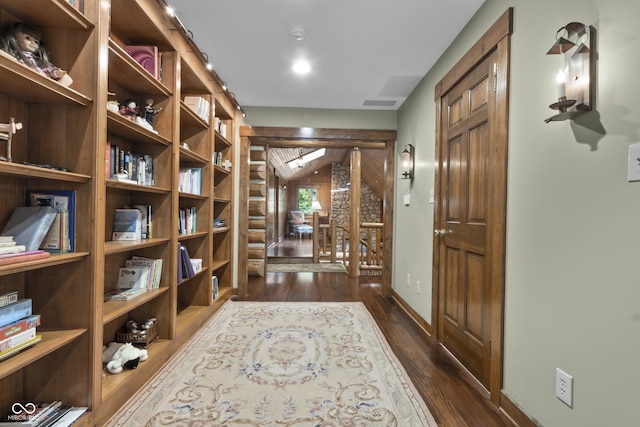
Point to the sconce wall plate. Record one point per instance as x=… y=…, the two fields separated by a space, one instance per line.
x=576 y=80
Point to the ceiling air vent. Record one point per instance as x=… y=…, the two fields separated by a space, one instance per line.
x=378 y=103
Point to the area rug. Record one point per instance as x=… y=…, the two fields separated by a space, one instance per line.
x=323 y=267
x=281 y=364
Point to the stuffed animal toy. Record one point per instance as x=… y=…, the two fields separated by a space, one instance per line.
x=118 y=356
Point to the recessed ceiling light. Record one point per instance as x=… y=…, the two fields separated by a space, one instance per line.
x=301 y=67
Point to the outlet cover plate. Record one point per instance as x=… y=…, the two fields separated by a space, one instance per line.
x=633 y=167
x=564 y=387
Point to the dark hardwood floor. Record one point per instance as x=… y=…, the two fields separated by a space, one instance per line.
x=453 y=396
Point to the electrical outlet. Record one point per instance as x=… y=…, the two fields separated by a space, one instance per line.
x=408 y=279
x=418 y=287
x=564 y=387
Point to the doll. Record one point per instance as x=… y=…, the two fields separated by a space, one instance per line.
x=22 y=41
x=149 y=111
x=129 y=109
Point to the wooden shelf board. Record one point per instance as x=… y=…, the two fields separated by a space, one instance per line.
x=124 y=128
x=220 y=230
x=193 y=157
x=187 y=316
x=221 y=142
x=111 y=310
x=221 y=200
x=217 y=265
x=112 y=183
x=54 y=259
x=192 y=196
x=114 y=247
x=51 y=341
x=221 y=170
x=195 y=235
x=58 y=13
x=26 y=171
x=112 y=384
x=24 y=83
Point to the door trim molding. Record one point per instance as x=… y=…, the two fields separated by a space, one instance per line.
x=497 y=38
x=316 y=138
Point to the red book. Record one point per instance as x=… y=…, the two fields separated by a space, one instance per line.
x=7 y=259
x=21 y=325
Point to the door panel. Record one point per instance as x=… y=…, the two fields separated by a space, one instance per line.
x=466 y=300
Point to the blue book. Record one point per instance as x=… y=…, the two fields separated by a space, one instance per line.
x=16 y=311
x=61 y=200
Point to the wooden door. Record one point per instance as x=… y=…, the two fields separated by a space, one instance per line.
x=465 y=285
x=470 y=216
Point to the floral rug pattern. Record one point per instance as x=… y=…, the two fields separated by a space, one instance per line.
x=281 y=364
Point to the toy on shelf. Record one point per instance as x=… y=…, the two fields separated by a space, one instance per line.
x=120 y=356
x=7 y=130
x=23 y=42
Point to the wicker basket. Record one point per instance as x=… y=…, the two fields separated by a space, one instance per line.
x=144 y=340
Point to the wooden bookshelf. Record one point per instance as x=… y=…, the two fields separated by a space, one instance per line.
x=72 y=128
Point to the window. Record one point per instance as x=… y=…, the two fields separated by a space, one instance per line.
x=306 y=196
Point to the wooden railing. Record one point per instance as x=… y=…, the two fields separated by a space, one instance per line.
x=325 y=245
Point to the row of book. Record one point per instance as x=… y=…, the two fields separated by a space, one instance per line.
x=187 y=220
x=218 y=160
x=42 y=414
x=17 y=325
x=123 y=165
x=133 y=223
x=78 y=4
x=138 y=276
x=187 y=267
x=190 y=180
x=199 y=105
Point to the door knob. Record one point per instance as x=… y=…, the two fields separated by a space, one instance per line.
x=440 y=232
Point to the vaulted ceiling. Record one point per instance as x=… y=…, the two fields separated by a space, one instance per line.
x=373 y=161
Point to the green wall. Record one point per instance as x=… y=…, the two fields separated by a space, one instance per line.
x=572 y=285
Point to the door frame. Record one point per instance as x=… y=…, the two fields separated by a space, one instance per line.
x=287 y=137
x=497 y=38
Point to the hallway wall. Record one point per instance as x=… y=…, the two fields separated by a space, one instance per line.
x=572 y=287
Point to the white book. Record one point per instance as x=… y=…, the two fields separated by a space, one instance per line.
x=133 y=277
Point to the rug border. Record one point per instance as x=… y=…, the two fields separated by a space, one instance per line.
x=136 y=399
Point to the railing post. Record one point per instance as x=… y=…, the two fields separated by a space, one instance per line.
x=316 y=228
x=334 y=240
x=354 y=214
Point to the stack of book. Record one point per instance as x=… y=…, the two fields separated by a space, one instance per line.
x=189 y=180
x=42 y=414
x=138 y=276
x=17 y=325
x=61 y=234
x=220 y=126
x=187 y=220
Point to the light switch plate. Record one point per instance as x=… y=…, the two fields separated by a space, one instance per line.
x=633 y=169
x=407 y=199
x=432 y=196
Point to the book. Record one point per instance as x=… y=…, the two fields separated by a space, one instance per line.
x=155 y=269
x=123 y=294
x=70 y=417
x=16 y=311
x=58 y=199
x=55 y=415
x=147 y=56
x=127 y=224
x=18 y=326
x=12 y=249
x=8 y=298
x=145 y=221
x=214 y=287
x=7 y=259
x=197 y=264
x=29 y=414
x=57 y=239
x=29 y=225
x=133 y=277
x=15 y=350
x=17 y=339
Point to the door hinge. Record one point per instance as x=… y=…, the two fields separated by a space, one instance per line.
x=495 y=76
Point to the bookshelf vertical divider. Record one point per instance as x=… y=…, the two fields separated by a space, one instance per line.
x=77 y=129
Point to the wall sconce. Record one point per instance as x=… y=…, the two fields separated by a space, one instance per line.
x=407 y=161
x=575 y=81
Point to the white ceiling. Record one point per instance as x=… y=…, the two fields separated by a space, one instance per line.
x=359 y=50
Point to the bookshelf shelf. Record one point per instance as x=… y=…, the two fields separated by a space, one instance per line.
x=114 y=247
x=220 y=230
x=58 y=13
x=220 y=170
x=192 y=158
x=221 y=141
x=121 y=185
x=217 y=265
x=54 y=259
x=221 y=200
x=51 y=341
x=192 y=196
x=33 y=172
x=191 y=119
x=196 y=235
x=122 y=127
x=114 y=309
